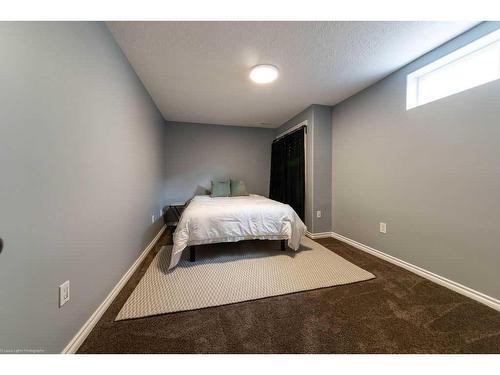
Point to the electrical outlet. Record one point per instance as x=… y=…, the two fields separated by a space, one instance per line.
x=63 y=293
x=318 y=214
x=383 y=228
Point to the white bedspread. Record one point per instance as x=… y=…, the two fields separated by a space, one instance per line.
x=212 y=220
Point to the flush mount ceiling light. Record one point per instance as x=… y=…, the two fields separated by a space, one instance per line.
x=264 y=73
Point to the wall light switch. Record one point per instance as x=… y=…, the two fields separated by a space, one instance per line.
x=383 y=228
x=63 y=293
x=318 y=214
x=153 y=218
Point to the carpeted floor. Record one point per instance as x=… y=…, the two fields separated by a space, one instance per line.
x=398 y=312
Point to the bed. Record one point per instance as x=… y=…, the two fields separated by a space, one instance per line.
x=209 y=220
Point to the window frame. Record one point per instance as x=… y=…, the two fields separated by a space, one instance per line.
x=413 y=78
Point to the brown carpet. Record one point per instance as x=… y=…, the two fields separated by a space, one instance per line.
x=398 y=312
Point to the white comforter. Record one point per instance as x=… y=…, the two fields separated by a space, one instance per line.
x=211 y=220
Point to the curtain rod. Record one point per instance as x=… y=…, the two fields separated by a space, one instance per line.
x=290 y=132
x=301 y=125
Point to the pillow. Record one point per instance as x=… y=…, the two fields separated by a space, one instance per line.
x=238 y=188
x=221 y=189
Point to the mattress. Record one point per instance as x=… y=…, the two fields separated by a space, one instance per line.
x=230 y=219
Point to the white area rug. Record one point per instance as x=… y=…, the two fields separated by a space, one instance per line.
x=235 y=272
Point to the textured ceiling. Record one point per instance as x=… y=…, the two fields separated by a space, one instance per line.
x=198 y=71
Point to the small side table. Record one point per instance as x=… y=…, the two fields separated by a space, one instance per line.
x=173 y=214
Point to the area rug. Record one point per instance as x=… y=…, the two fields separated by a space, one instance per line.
x=235 y=272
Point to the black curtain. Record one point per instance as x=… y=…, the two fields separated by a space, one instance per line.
x=288 y=171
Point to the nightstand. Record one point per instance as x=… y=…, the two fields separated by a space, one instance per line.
x=173 y=214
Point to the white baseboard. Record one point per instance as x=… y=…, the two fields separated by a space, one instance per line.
x=319 y=235
x=82 y=334
x=450 y=284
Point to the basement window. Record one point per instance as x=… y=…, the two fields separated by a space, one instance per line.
x=470 y=66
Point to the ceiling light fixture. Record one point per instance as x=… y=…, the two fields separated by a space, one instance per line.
x=264 y=73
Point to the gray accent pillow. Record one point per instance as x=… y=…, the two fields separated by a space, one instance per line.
x=238 y=188
x=221 y=189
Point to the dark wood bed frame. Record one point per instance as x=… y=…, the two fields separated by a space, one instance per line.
x=192 y=250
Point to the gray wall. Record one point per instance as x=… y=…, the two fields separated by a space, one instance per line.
x=81 y=172
x=322 y=168
x=318 y=165
x=199 y=153
x=432 y=173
